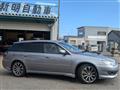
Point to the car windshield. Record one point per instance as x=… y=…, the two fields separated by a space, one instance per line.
x=70 y=48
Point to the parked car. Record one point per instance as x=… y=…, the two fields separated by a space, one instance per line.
x=94 y=48
x=55 y=57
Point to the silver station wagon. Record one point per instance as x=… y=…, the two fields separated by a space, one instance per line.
x=59 y=58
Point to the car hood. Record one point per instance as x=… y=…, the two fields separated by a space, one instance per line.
x=95 y=55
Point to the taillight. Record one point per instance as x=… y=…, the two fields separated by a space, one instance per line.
x=4 y=54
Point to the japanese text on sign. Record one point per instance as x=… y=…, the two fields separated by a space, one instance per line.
x=23 y=8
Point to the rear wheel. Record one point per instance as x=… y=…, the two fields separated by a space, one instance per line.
x=87 y=73
x=18 y=69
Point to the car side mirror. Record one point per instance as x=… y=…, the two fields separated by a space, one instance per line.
x=63 y=52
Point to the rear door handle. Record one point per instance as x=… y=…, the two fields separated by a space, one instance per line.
x=46 y=57
x=24 y=56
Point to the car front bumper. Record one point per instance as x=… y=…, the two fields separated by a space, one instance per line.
x=108 y=71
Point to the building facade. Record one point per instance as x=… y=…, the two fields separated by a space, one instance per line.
x=24 y=21
x=94 y=38
x=74 y=40
x=114 y=40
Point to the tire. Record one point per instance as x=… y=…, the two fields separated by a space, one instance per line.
x=18 y=69
x=87 y=74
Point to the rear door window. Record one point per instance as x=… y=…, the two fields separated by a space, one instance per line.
x=17 y=47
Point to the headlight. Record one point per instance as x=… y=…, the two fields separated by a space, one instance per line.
x=108 y=62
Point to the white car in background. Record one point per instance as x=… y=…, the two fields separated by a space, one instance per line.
x=94 y=48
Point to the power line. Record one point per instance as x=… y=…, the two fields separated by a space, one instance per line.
x=86 y=1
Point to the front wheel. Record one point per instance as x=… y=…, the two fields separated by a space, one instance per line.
x=87 y=73
x=18 y=69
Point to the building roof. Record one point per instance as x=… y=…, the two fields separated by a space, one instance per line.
x=92 y=27
x=98 y=27
x=114 y=36
x=29 y=18
x=116 y=29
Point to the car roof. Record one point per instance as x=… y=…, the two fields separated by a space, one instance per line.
x=30 y=41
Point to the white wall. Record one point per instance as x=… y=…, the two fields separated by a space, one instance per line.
x=54 y=31
x=92 y=32
x=23 y=26
x=78 y=40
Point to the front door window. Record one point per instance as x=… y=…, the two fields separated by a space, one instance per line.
x=51 y=48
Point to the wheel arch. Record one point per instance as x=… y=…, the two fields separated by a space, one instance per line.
x=82 y=63
x=17 y=61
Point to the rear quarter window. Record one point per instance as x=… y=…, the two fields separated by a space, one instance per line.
x=16 y=47
x=27 y=47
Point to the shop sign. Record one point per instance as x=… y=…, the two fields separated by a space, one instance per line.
x=26 y=8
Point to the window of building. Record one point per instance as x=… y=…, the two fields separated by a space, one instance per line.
x=0 y=38
x=101 y=33
x=73 y=42
x=1 y=35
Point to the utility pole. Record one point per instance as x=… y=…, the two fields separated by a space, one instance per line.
x=58 y=19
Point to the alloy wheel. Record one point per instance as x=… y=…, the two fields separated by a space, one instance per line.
x=89 y=74
x=18 y=69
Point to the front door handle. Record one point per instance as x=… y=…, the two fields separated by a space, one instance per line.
x=46 y=57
